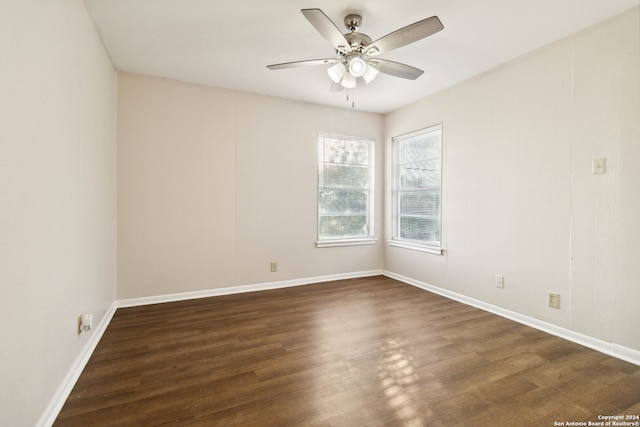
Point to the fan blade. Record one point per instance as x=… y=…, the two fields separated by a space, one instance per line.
x=404 y=36
x=302 y=63
x=395 y=69
x=327 y=29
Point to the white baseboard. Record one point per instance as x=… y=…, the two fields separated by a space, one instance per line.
x=64 y=390
x=133 y=302
x=611 y=349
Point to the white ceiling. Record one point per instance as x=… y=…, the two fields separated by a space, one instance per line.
x=228 y=43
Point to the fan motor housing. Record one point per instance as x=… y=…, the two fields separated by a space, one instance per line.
x=357 y=40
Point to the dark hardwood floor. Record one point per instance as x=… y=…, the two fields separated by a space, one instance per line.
x=360 y=352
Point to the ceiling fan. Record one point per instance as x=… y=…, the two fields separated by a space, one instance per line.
x=356 y=54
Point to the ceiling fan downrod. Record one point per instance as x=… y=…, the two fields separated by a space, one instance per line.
x=353 y=22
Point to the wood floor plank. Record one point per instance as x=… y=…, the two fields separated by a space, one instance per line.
x=360 y=352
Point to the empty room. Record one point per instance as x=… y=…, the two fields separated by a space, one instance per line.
x=408 y=213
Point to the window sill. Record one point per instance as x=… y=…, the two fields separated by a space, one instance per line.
x=346 y=242
x=416 y=247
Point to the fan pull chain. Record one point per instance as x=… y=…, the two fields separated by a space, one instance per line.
x=353 y=101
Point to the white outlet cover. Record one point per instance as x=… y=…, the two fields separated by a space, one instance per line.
x=553 y=299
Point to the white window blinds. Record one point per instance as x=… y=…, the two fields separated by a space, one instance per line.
x=345 y=187
x=417 y=189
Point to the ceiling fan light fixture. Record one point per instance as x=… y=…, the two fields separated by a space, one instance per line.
x=370 y=73
x=357 y=66
x=337 y=71
x=356 y=53
x=348 y=81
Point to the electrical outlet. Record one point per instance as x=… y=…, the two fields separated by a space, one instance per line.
x=499 y=282
x=553 y=299
x=85 y=323
x=274 y=267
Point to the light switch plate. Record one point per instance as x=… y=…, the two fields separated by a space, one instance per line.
x=598 y=165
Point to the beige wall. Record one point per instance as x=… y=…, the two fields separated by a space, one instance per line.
x=213 y=185
x=519 y=196
x=57 y=196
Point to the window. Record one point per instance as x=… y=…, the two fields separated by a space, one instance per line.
x=417 y=189
x=345 y=190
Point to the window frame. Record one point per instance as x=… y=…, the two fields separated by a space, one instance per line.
x=369 y=238
x=434 y=247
